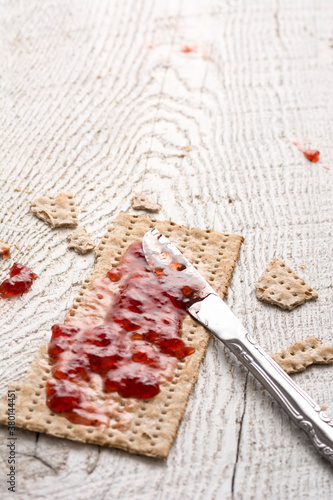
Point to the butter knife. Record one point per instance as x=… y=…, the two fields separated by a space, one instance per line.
x=212 y=312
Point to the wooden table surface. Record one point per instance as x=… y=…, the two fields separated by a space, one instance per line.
x=104 y=98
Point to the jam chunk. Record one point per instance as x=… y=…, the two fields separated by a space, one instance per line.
x=20 y=281
x=132 y=381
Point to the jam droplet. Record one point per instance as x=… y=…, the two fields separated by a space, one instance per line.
x=130 y=351
x=311 y=155
x=114 y=274
x=187 y=49
x=4 y=250
x=20 y=281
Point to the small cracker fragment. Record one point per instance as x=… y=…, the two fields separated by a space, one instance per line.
x=143 y=202
x=279 y=285
x=150 y=426
x=57 y=212
x=304 y=353
x=80 y=240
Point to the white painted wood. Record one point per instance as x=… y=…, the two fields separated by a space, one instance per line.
x=99 y=100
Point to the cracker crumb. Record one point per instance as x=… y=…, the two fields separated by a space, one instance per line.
x=279 y=285
x=324 y=407
x=143 y=202
x=17 y=245
x=18 y=189
x=80 y=241
x=302 y=266
x=302 y=354
x=57 y=212
x=188 y=148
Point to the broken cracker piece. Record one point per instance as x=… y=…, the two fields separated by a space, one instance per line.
x=279 y=285
x=57 y=212
x=304 y=353
x=146 y=427
x=80 y=240
x=142 y=202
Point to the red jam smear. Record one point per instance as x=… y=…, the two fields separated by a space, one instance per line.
x=142 y=328
x=20 y=281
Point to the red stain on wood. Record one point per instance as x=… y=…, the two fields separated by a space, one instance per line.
x=310 y=154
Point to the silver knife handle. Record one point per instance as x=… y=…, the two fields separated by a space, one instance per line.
x=307 y=414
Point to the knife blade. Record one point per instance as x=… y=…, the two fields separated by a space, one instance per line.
x=203 y=303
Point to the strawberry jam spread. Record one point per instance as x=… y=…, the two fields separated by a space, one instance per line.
x=129 y=353
x=20 y=281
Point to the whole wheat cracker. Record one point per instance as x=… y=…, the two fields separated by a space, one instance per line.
x=152 y=424
x=140 y=201
x=80 y=241
x=57 y=212
x=302 y=354
x=279 y=285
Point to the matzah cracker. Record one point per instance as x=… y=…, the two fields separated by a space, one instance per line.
x=57 y=212
x=142 y=202
x=147 y=427
x=304 y=353
x=80 y=240
x=279 y=285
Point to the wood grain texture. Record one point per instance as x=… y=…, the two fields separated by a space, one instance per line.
x=99 y=100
